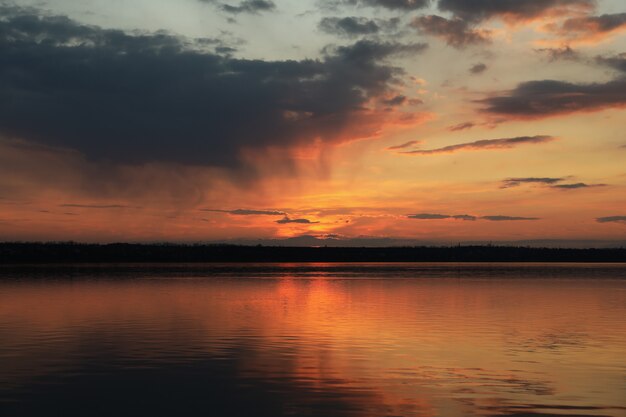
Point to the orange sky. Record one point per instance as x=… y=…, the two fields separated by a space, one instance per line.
x=445 y=123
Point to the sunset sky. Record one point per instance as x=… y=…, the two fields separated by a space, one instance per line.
x=208 y=120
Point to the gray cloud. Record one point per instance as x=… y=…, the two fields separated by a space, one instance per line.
x=612 y=219
x=547 y=181
x=245 y=6
x=404 y=145
x=589 y=26
x=248 y=212
x=287 y=220
x=514 y=182
x=478 y=69
x=456 y=32
x=405 y=5
x=477 y=10
x=564 y=53
x=138 y=98
x=576 y=186
x=349 y=26
x=508 y=218
x=352 y=26
x=466 y=217
x=428 y=216
x=540 y=99
x=395 y=101
x=505 y=143
x=617 y=62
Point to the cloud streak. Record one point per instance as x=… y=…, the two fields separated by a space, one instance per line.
x=248 y=212
x=404 y=145
x=515 y=182
x=485 y=144
x=467 y=217
x=612 y=219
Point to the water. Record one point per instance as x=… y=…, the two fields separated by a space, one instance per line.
x=313 y=340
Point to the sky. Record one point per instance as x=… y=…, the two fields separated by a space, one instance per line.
x=206 y=120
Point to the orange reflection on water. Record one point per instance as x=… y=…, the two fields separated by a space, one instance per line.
x=379 y=346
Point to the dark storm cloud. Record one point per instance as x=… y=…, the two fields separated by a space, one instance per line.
x=248 y=212
x=405 y=5
x=505 y=143
x=514 y=182
x=466 y=217
x=287 y=220
x=349 y=26
x=456 y=32
x=612 y=219
x=539 y=99
x=476 y=10
x=246 y=6
x=137 y=98
x=478 y=69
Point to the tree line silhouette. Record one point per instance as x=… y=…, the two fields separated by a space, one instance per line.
x=70 y=252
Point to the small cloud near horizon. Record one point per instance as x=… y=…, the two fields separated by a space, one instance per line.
x=612 y=219
x=467 y=217
x=248 y=212
x=287 y=220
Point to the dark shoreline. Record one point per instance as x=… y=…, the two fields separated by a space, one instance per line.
x=61 y=253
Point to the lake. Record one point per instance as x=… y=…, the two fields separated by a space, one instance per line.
x=268 y=340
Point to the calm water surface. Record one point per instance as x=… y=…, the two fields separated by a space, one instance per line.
x=313 y=340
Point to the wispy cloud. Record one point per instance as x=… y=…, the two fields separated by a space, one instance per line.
x=564 y=53
x=505 y=143
x=97 y=206
x=462 y=126
x=404 y=145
